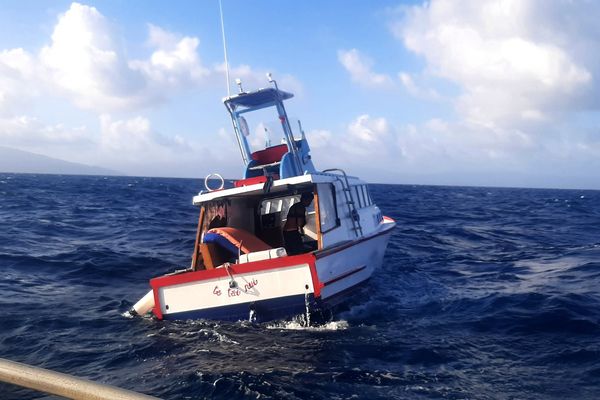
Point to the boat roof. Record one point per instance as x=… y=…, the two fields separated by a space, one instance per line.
x=279 y=185
x=258 y=98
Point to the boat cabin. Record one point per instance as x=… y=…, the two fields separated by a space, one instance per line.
x=245 y=223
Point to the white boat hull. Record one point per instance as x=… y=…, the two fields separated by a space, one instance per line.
x=271 y=289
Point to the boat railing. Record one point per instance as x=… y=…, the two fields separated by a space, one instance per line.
x=56 y=383
x=353 y=212
x=326 y=173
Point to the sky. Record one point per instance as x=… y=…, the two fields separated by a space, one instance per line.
x=465 y=92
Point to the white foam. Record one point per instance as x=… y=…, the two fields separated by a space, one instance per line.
x=219 y=336
x=297 y=326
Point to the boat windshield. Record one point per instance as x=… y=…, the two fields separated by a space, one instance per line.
x=262 y=130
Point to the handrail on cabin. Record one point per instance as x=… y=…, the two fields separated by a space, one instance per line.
x=71 y=387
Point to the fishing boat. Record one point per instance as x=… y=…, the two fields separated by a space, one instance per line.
x=258 y=254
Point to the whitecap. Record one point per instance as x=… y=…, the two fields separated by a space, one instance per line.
x=297 y=326
x=219 y=336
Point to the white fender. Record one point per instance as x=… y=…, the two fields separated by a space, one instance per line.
x=145 y=304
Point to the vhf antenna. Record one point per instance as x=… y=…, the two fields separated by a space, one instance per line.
x=225 y=49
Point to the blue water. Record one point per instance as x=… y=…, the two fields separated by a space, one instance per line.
x=485 y=293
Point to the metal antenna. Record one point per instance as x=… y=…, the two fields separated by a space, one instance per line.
x=225 y=49
x=271 y=80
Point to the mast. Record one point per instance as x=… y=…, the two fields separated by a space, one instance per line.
x=225 y=50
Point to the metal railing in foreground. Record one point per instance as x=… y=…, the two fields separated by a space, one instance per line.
x=60 y=384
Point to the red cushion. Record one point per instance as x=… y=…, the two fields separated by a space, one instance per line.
x=243 y=240
x=270 y=154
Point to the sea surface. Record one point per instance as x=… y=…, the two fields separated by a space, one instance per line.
x=485 y=293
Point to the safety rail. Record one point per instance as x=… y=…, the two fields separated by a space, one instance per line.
x=68 y=386
x=353 y=212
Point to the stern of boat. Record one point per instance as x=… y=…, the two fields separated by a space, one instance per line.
x=256 y=291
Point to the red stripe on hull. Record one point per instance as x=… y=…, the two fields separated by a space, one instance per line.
x=345 y=275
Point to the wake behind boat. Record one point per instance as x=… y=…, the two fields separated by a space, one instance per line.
x=285 y=240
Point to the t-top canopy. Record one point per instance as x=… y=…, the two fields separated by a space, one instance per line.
x=257 y=98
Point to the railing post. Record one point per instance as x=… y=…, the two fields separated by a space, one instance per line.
x=46 y=381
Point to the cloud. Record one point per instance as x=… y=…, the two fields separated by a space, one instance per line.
x=360 y=69
x=319 y=138
x=508 y=57
x=367 y=135
x=521 y=76
x=411 y=87
x=133 y=145
x=437 y=151
x=86 y=63
x=366 y=140
x=29 y=131
x=18 y=72
x=174 y=62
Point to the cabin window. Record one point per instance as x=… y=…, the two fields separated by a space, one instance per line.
x=327 y=207
x=356 y=198
x=273 y=215
x=366 y=195
x=361 y=194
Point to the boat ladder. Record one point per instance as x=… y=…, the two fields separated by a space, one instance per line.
x=354 y=216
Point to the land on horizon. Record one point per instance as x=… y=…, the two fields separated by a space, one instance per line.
x=19 y=161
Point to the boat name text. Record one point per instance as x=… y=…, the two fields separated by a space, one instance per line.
x=234 y=292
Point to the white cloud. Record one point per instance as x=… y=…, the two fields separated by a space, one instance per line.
x=418 y=91
x=365 y=140
x=132 y=145
x=360 y=69
x=86 y=63
x=17 y=80
x=133 y=139
x=319 y=138
x=434 y=151
x=361 y=72
x=368 y=131
x=175 y=61
x=501 y=55
x=30 y=132
x=522 y=77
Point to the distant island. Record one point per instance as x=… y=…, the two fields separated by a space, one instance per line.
x=14 y=160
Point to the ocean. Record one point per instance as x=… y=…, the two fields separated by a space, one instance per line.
x=485 y=293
